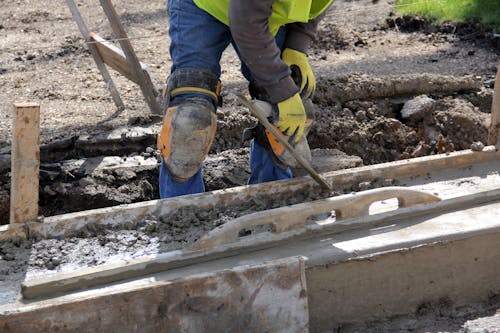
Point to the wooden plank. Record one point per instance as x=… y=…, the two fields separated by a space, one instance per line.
x=25 y=161
x=95 y=54
x=443 y=275
x=344 y=88
x=115 y=58
x=66 y=225
x=494 y=132
x=147 y=88
x=269 y=297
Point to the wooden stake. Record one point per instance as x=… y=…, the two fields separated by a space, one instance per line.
x=494 y=133
x=144 y=81
x=95 y=54
x=25 y=165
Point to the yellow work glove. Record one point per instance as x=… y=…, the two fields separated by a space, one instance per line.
x=302 y=73
x=291 y=117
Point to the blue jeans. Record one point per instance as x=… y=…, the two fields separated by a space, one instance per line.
x=198 y=41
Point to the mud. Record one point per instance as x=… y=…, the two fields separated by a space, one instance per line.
x=375 y=130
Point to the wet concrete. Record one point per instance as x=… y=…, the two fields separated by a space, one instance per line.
x=97 y=244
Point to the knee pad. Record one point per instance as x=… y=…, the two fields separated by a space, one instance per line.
x=186 y=136
x=190 y=122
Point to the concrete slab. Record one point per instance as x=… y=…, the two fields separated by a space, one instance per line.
x=489 y=324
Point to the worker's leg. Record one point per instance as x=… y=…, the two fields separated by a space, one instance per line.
x=197 y=43
x=170 y=188
x=280 y=41
x=263 y=168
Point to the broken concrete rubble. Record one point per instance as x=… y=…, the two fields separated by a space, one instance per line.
x=418 y=108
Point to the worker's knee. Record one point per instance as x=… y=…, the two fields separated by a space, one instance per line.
x=190 y=122
x=186 y=136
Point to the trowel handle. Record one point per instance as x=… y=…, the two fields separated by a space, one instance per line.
x=293 y=218
x=303 y=163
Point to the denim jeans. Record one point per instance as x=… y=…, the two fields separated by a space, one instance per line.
x=198 y=41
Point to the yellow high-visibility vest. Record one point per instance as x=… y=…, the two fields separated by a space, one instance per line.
x=284 y=11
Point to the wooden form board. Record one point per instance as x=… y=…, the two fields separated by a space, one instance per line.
x=68 y=224
x=25 y=162
x=494 y=133
x=269 y=297
x=403 y=282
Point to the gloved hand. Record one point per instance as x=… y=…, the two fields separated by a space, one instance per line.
x=302 y=73
x=282 y=158
x=291 y=118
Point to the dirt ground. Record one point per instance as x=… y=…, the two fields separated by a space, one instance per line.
x=368 y=65
x=371 y=67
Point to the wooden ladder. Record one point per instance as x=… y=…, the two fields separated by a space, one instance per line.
x=122 y=60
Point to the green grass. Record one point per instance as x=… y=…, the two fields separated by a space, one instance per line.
x=486 y=12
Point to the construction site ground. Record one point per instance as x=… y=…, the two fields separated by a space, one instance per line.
x=369 y=64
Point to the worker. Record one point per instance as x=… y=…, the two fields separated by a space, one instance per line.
x=271 y=38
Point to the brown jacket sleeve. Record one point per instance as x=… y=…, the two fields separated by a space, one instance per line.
x=299 y=36
x=248 y=21
x=249 y=24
